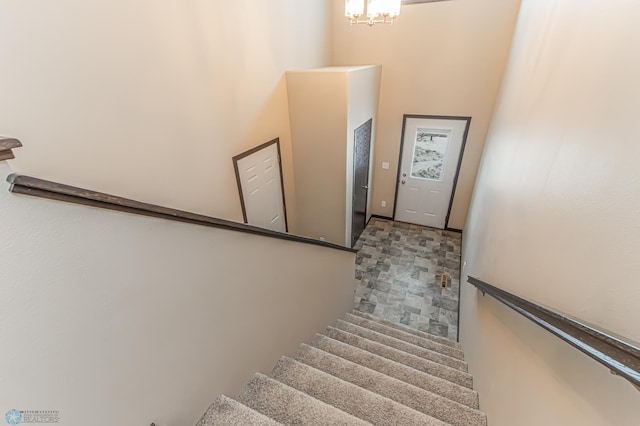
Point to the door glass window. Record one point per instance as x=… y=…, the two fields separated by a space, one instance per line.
x=429 y=153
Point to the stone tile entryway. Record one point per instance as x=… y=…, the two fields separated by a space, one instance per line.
x=399 y=266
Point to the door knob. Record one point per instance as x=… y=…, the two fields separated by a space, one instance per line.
x=404 y=175
x=365 y=187
x=404 y=181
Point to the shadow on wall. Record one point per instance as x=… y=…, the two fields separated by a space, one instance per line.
x=564 y=376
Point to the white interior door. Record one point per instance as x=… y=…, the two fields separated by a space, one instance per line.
x=431 y=150
x=260 y=184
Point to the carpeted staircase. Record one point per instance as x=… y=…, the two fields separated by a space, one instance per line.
x=361 y=371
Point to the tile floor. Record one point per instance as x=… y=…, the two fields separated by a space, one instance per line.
x=400 y=267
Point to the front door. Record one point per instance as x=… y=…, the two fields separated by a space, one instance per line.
x=259 y=176
x=430 y=158
x=361 y=156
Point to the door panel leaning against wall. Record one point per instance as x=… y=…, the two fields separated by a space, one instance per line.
x=259 y=176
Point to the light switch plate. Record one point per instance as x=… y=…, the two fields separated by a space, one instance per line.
x=385 y=165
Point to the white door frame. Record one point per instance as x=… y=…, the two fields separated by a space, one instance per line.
x=455 y=179
x=239 y=181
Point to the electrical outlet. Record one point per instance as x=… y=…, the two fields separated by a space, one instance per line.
x=385 y=165
x=383 y=203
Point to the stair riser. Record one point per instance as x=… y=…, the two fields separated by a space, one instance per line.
x=422 y=334
x=411 y=396
x=399 y=371
x=347 y=397
x=226 y=411
x=409 y=338
x=290 y=406
x=403 y=346
x=429 y=367
x=364 y=371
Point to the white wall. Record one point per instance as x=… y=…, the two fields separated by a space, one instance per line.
x=443 y=58
x=555 y=216
x=150 y=100
x=115 y=319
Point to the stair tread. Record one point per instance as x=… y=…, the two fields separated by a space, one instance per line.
x=439 y=370
x=429 y=403
x=402 y=345
x=290 y=406
x=407 y=337
x=406 y=329
x=348 y=397
x=226 y=411
x=400 y=371
x=364 y=370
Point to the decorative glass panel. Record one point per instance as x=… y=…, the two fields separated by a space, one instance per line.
x=429 y=154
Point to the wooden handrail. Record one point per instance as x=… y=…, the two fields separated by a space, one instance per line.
x=621 y=357
x=55 y=191
x=6 y=146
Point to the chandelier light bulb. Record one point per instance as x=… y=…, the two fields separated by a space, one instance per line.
x=376 y=11
x=353 y=8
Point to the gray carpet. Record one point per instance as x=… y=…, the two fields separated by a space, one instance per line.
x=362 y=371
x=430 y=367
x=226 y=411
x=398 y=370
x=401 y=345
x=439 y=339
x=407 y=337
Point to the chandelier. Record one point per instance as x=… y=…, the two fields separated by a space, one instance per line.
x=375 y=12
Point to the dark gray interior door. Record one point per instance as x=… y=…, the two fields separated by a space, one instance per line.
x=361 y=154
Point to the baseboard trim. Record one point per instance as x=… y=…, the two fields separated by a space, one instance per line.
x=459 y=231
x=377 y=216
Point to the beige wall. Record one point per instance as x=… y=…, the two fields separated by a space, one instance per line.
x=364 y=97
x=441 y=58
x=149 y=99
x=555 y=215
x=318 y=110
x=115 y=319
x=326 y=106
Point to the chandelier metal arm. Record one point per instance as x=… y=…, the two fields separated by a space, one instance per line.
x=383 y=19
